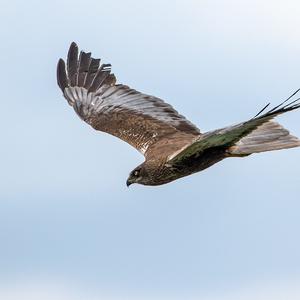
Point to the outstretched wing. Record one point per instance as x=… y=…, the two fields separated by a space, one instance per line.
x=228 y=136
x=139 y=119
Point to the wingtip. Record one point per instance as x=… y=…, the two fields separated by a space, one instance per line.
x=72 y=63
x=62 y=80
x=73 y=50
x=60 y=66
x=73 y=45
x=60 y=62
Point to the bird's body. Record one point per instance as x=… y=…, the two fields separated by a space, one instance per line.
x=193 y=164
x=173 y=147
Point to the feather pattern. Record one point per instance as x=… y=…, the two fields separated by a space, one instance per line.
x=139 y=119
x=267 y=137
x=173 y=146
x=239 y=134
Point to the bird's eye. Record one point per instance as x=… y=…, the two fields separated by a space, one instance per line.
x=136 y=173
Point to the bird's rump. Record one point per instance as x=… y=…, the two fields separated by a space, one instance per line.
x=137 y=118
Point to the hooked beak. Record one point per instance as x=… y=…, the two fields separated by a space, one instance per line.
x=129 y=182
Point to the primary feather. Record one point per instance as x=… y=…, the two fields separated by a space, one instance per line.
x=139 y=119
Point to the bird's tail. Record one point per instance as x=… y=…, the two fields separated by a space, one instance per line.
x=267 y=137
x=258 y=134
x=268 y=134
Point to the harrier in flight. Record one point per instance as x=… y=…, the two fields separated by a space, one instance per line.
x=173 y=146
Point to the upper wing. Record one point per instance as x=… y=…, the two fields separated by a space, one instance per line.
x=139 y=119
x=228 y=136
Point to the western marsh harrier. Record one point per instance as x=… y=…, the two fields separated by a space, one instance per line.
x=173 y=147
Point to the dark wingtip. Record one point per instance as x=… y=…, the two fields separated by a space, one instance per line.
x=72 y=64
x=73 y=45
x=62 y=79
x=82 y=70
x=73 y=50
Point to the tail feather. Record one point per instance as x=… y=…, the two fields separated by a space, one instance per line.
x=267 y=137
x=266 y=134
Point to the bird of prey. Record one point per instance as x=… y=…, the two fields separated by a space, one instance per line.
x=173 y=147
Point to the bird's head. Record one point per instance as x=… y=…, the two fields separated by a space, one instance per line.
x=139 y=175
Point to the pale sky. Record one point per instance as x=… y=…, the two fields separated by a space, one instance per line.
x=66 y=215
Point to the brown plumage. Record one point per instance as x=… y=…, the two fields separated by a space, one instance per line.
x=173 y=147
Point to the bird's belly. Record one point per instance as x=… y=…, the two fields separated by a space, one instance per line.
x=195 y=164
